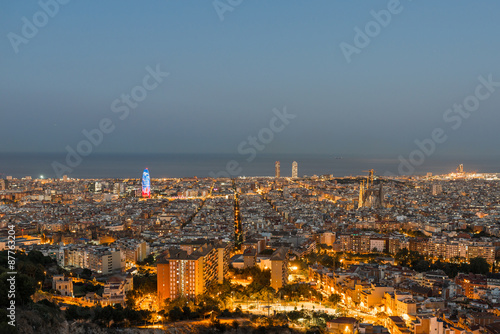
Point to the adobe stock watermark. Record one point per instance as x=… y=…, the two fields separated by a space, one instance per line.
x=30 y=27
x=223 y=6
x=454 y=117
x=253 y=144
x=120 y=106
x=373 y=28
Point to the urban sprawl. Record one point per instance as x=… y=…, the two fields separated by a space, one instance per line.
x=365 y=254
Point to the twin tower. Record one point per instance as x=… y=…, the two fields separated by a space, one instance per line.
x=295 y=169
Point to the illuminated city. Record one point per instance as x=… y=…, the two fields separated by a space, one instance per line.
x=316 y=251
x=250 y=167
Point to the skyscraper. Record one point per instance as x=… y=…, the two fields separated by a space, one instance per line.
x=295 y=169
x=146 y=184
x=277 y=169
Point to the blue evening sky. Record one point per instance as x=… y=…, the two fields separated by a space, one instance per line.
x=227 y=76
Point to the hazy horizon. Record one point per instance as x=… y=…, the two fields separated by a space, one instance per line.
x=101 y=165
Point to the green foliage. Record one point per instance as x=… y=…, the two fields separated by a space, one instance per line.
x=298 y=291
x=25 y=286
x=206 y=303
x=6 y=328
x=145 y=284
x=334 y=299
x=182 y=308
x=407 y=258
x=119 y=316
x=323 y=258
x=149 y=260
x=175 y=314
x=81 y=289
x=260 y=278
x=47 y=303
x=259 y=287
x=75 y=312
x=418 y=263
x=478 y=265
x=86 y=274
x=32 y=264
x=131 y=299
x=311 y=318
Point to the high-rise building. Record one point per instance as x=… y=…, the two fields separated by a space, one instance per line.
x=277 y=169
x=279 y=268
x=183 y=272
x=95 y=187
x=436 y=189
x=223 y=256
x=105 y=261
x=146 y=184
x=4 y=184
x=118 y=188
x=295 y=170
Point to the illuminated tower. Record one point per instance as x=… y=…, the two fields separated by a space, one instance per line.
x=4 y=184
x=295 y=169
x=146 y=184
x=361 y=193
x=277 y=169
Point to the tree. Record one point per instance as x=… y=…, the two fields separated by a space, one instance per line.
x=145 y=284
x=149 y=260
x=407 y=258
x=402 y=257
x=131 y=300
x=86 y=273
x=298 y=290
x=175 y=314
x=25 y=287
x=478 y=265
x=334 y=299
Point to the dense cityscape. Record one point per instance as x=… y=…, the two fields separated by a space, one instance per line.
x=359 y=254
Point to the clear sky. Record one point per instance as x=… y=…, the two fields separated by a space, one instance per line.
x=226 y=76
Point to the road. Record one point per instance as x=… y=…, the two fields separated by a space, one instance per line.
x=261 y=307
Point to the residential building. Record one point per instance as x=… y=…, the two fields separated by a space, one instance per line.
x=279 y=268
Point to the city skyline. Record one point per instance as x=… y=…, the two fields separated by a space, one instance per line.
x=239 y=166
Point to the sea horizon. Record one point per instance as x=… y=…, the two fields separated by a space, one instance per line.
x=179 y=165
